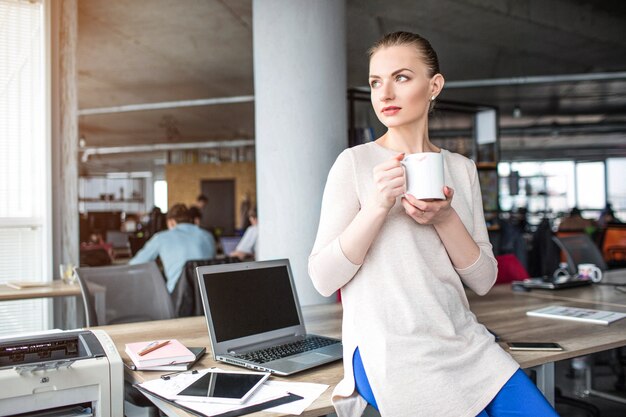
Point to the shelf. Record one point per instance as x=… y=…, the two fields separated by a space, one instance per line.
x=117 y=200
x=487 y=165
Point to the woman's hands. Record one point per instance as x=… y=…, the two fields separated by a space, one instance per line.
x=429 y=211
x=390 y=182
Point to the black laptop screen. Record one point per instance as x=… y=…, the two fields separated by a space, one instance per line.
x=251 y=301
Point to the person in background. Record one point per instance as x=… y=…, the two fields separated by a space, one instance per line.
x=244 y=208
x=182 y=242
x=196 y=215
x=155 y=221
x=196 y=211
x=247 y=245
x=412 y=346
x=575 y=222
x=607 y=217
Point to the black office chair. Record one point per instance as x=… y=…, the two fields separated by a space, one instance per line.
x=94 y=257
x=580 y=249
x=133 y=293
x=186 y=296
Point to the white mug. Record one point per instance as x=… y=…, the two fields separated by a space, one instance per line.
x=590 y=271
x=424 y=175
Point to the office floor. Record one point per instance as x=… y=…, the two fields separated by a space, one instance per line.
x=603 y=380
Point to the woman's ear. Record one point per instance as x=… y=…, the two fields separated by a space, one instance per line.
x=437 y=82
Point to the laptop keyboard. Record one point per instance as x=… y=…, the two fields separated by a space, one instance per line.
x=288 y=349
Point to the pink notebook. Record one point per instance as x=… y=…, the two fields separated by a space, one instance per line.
x=173 y=352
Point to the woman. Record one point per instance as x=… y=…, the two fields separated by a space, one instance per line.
x=412 y=347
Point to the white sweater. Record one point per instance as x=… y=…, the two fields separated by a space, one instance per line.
x=405 y=307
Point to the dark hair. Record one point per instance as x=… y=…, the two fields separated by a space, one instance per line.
x=252 y=212
x=179 y=213
x=195 y=213
x=411 y=39
x=202 y=198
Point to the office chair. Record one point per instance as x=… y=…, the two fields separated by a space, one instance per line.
x=510 y=269
x=94 y=257
x=133 y=293
x=614 y=245
x=136 y=243
x=579 y=249
x=186 y=296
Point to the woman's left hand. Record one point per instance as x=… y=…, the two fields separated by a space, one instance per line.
x=429 y=211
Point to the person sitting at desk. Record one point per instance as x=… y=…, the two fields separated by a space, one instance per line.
x=247 y=245
x=184 y=241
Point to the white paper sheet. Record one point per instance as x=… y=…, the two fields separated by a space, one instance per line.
x=309 y=391
x=268 y=391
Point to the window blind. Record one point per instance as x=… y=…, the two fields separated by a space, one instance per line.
x=23 y=249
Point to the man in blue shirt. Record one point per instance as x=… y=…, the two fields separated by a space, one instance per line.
x=182 y=242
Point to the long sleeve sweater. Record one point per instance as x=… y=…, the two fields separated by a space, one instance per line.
x=405 y=307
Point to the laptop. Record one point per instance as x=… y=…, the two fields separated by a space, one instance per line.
x=550 y=284
x=255 y=321
x=229 y=243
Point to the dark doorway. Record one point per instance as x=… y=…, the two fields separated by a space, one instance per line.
x=220 y=211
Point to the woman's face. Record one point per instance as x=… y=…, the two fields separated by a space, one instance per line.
x=400 y=86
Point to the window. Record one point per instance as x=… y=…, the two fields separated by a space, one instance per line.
x=541 y=187
x=590 y=185
x=615 y=168
x=160 y=195
x=24 y=155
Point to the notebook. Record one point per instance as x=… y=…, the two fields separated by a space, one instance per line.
x=171 y=353
x=578 y=314
x=177 y=366
x=254 y=318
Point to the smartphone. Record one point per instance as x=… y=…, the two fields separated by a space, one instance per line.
x=534 y=346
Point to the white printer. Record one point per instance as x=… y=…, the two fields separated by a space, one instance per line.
x=65 y=373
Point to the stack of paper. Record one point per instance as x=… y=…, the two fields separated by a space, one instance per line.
x=274 y=396
x=20 y=285
x=171 y=353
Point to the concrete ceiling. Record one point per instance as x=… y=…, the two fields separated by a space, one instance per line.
x=150 y=51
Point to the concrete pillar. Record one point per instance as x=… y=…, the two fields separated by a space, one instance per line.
x=301 y=123
x=64 y=133
x=64 y=151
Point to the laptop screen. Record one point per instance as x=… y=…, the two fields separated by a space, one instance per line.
x=250 y=301
x=229 y=243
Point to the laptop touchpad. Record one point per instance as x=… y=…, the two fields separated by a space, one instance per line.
x=310 y=358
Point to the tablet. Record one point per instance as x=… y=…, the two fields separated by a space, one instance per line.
x=223 y=387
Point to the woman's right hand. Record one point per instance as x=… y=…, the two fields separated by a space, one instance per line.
x=389 y=181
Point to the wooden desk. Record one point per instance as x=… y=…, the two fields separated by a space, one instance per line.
x=56 y=288
x=192 y=331
x=501 y=310
x=606 y=295
x=504 y=312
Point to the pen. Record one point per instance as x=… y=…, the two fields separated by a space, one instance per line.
x=166 y=377
x=152 y=347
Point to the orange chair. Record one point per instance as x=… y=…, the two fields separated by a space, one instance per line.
x=614 y=245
